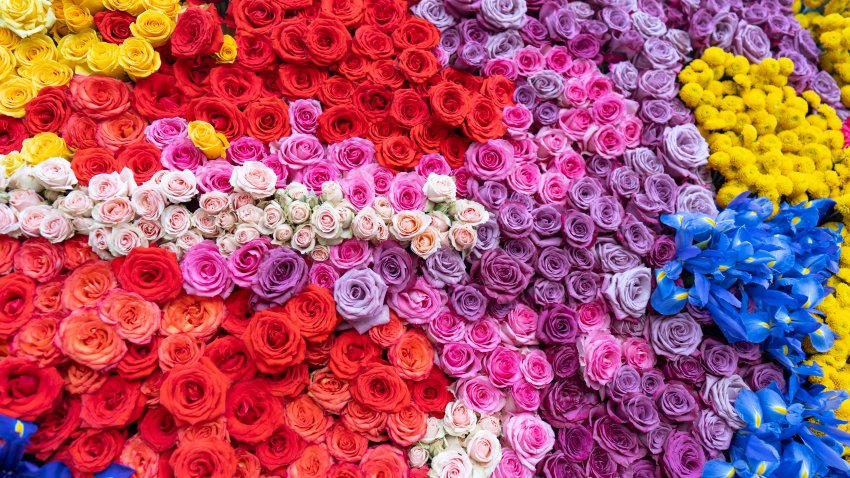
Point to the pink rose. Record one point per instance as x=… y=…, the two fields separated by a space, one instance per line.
x=530 y=437
x=602 y=356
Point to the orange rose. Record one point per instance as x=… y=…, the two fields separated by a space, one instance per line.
x=319 y=354
x=231 y=356
x=152 y=386
x=380 y=387
x=28 y=390
x=239 y=311
x=313 y=461
x=140 y=361
x=48 y=296
x=94 y=449
x=412 y=356
x=252 y=412
x=484 y=120
x=383 y=461
x=315 y=311
x=274 y=340
x=17 y=292
x=211 y=430
x=204 y=459
x=365 y=420
x=138 y=455
x=8 y=250
x=450 y=103
x=499 y=89
x=349 y=352
x=291 y=381
x=180 y=349
x=78 y=251
x=247 y=464
x=387 y=334
x=407 y=426
x=117 y=403
x=135 y=318
x=345 y=470
x=35 y=341
x=87 y=340
x=329 y=391
x=122 y=130
x=39 y=259
x=418 y=65
x=194 y=393
x=397 y=153
x=158 y=428
x=280 y=449
x=55 y=428
x=87 y=284
x=80 y=379
x=197 y=316
x=307 y=418
x=345 y=445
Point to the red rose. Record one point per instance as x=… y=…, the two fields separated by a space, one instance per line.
x=158 y=96
x=407 y=426
x=291 y=382
x=77 y=251
x=365 y=420
x=235 y=84
x=380 y=387
x=408 y=108
x=349 y=12
x=56 y=427
x=319 y=353
x=256 y=52
x=397 y=153
x=271 y=83
x=268 y=119
x=252 y=412
x=315 y=311
x=340 y=123
x=371 y=42
x=204 y=459
x=98 y=97
x=327 y=41
x=116 y=404
x=28 y=389
x=194 y=393
x=17 y=302
x=428 y=136
x=151 y=272
x=197 y=33
x=383 y=460
x=274 y=340
x=373 y=100
x=384 y=72
x=382 y=130
x=13 y=132
x=222 y=114
x=78 y=131
x=230 y=355
x=484 y=120
x=47 y=111
x=387 y=15
x=193 y=75
x=499 y=89
x=336 y=90
x=418 y=66
x=453 y=148
x=258 y=16
x=142 y=158
x=140 y=360
x=288 y=41
x=39 y=259
x=432 y=394
x=416 y=32
x=463 y=78
x=280 y=449
x=120 y=131
x=345 y=470
x=239 y=312
x=354 y=67
x=350 y=352
x=114 y=27
x=345 y=445
x=8 y=248
x=450 y=103
x=93 y=450
x=301 y=82
x=158 y=428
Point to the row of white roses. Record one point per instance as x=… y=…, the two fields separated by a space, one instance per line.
x=45 y=200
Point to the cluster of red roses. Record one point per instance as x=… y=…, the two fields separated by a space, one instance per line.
x=204 y=386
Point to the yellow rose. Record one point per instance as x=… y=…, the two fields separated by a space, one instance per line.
x=15 y=93
x=102 y=59
x=10 y=163
x=26 y=17
x=35 y=48
x=204 y=136
x=153 y=26
x=133 y=7
x=92 y=6
x=227 y=53
x=138 y=58
x=8 y=38
x=74 y=48
x=76 y=18
x=7 y=63
x=43 y=146
x=50 y=73
x=168 y=7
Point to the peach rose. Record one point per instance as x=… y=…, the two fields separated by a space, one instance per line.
x=87 y=284
x=407 y=426
x=408 y=224
x=138 y=455
x=80 y=379
x=89 y=341
x=197 y=316
x=135 y=318
x=313 y=461
x=211 y=430
x=328 y=390
x=345 y=445
x=427 y=243
x=35 y=341
x=307 y=418
x=180 y=349
x=247 y=464
x=412 y=356
x=39 y=259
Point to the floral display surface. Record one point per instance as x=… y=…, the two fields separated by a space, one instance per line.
x=435 y=238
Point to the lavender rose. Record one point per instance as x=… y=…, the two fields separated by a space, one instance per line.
x=574 y=441
x=718 y=358
x=628 y=292
x=751 y=42
x=523 y=250
x=712 y=431
x=720 y=394
x=674 y=335
x=394 y=265
x=579 y=229
x=281 y=275
x=677 y=402
x=762 y=375
x=557 y=324
x=583 y=286
x=468 y=302
x=641 y=412
x=502 y=276
x=359 y=296
x=695 y=198
x=618 y=440
x=514 y=220
x=444 y=267
x=683 y=456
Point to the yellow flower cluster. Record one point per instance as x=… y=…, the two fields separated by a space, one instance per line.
x=33 y=151
x=829 y=23
x=763 y=136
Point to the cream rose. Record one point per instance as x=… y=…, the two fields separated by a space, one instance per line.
x=459 y=419
x=254 y=178
x=470 y=212
x=408 y=224
x=440 y=188
x=55 y=174
x=214 y=202
x=113 y=211
x=179 y=186
x=148 y=201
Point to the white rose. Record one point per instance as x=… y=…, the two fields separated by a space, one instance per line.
x=484 y=450
x=470 y=212
x=304 y=238
x=83 y=224
x=172 y=247
x=24 y=178
x=332 y=192
x=254 y=178
x=205 y=223
x=451 y=463
x=214 y=202
x=4 y=180
x=179 y=186
x=459 y=419
x=346 y=215
x=107 y=186
x=189 y=239
x=440 y=188
x=124 y=238
x=245 y=233
x=434 y=430
x=365 y=224
x=282 y=234
x=226 y=244
x=326 y=222
x=75 y=203
x=298 y=212
x=148 y=201
x=271 y=218
x=8 y=220
x=440 y=221
x=56 y=227
x=249 y=214
x=383 y=208
x=55 y=174
x=418 y=456
x=175 y=221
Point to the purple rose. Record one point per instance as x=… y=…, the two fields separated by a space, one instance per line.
x=644 y=161
x=468 y=302
x=523 y=250
x=547 y=113
x=490 y=160
x=618 y=440
x=583 y=286
x=472 y=31
x=601 y=464
x=658 y=53
x=656 y=437
x=663 y=251
x=579 y=229
x=761 y=375
x=651 y=381
x=488 y=237
x=459 y=360
x=685 y=368
x=471 y=56
x=680 y=40
x=751 y=42
x=662 y=189
x=544 y=292
x=581 y=259
x=524 y=95
x=359 y=296
x=628 y=292
x=561 y=22
x=685 y=150
x=504 y=44
x=205 y=271
x=567 y=401
x=546 y=221
x=244 y=262
x=616 y=18
x=600 y=166
x=281 y=275
x=502 y=276
x=553 y=263
x=720 y=394
x=534 y=32
x=683 y=456
x=444 y=267
x=718 y=358
x=648 y=25
x=624 y=182
x=435 y=12
x=557 y=324
x=748 y=352
x=660 y=84
x=574 y=441
x=695 y=198
x=607 y=213
x=394 y=265
x=626 y=382
x=558 y=465
x=723 y=34
x=641 y=412
x=514 y=220
x=584 y=45
x=564 y=360
x=614 y=258
x=635 y=235
x=491 y=194
x=674 y=335
x=642 y=469
x=700 y=28
x=825 y=86
x=712 y=431
x=677 y=402
x=656 y=111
